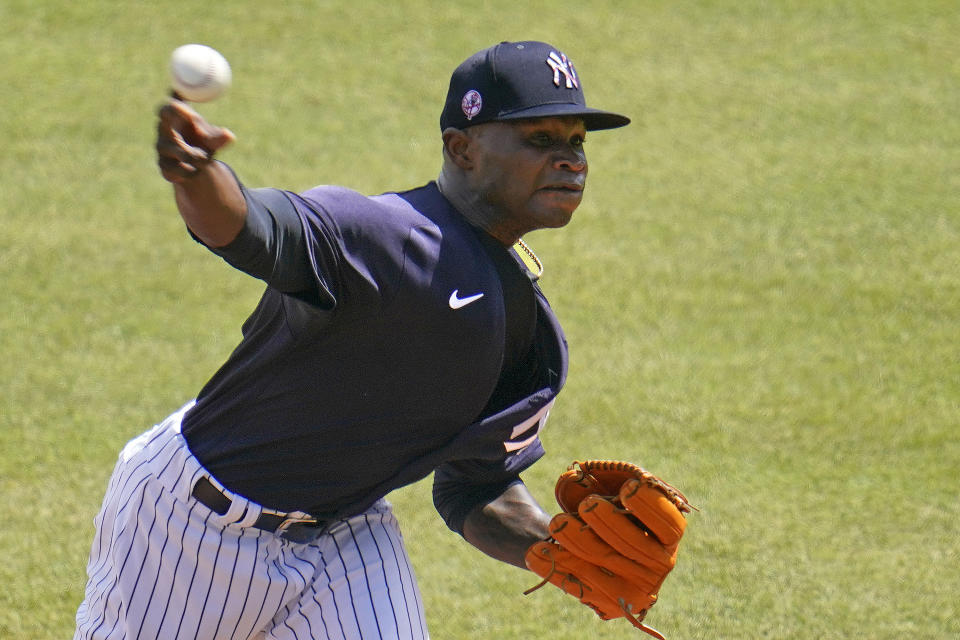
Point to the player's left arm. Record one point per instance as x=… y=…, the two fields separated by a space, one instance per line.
x=505 y=527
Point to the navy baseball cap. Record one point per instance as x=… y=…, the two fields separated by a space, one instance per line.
x=515 y=80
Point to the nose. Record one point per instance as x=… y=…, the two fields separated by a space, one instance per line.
x=571 y=159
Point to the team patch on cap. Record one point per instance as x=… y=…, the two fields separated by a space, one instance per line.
x=471 y=104
x=563 y=65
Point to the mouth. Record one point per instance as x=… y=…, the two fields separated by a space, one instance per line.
x=569 y=188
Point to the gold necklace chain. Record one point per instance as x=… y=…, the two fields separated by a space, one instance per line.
x=527 y=250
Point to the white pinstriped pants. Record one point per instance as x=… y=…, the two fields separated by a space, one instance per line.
x=164 y=566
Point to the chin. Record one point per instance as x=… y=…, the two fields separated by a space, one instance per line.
x=557 y=219
x=558 y=214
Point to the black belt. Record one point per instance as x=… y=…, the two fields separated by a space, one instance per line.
x=294 y=528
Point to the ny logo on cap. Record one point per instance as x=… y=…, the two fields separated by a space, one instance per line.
x=560 y=64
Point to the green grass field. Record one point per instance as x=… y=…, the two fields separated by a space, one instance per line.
x=761 y=289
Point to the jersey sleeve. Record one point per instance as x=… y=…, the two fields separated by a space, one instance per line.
x=461 y=485
x=274 y=246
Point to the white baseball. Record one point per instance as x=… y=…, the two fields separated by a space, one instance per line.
x=199 y=73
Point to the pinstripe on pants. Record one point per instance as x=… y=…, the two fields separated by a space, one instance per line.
x=163 y=566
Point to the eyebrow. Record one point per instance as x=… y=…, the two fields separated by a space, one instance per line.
x=535 y=126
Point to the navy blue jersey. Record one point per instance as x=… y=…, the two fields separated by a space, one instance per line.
x=371 y=358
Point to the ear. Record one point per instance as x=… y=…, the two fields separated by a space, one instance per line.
x=457 y=147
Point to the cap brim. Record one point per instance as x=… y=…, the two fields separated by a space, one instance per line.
x=593 y=119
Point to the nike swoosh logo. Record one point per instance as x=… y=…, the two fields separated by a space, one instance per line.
x=459 y=303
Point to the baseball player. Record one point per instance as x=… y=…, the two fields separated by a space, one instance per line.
x=399 y=335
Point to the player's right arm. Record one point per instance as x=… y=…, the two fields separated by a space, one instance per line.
x=260 y=231
x=207 y=193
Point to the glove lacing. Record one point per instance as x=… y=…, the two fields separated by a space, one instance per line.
x=635 y=620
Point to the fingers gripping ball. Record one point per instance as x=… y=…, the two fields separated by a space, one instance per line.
x=615 y=541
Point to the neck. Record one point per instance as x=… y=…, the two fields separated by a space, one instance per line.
x=477 y=212
x=478 y=215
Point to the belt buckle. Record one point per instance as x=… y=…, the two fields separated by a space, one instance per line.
x=291 y=519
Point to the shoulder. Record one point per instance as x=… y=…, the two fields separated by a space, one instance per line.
x=350 y=209
x=389 y=238
x=420 y=217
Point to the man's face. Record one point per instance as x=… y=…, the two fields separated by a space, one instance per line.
x=531 y=171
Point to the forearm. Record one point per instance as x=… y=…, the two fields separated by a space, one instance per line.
x=212 y=204
x=505 y=527
x=206 y=191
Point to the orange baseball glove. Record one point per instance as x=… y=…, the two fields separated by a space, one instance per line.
x=615 y=541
